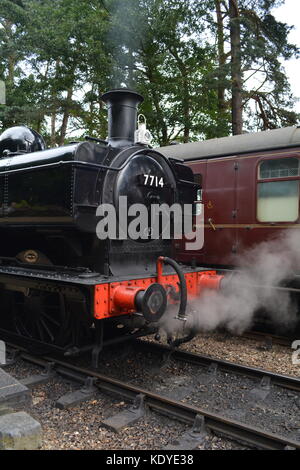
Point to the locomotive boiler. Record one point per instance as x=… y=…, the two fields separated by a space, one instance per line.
x=62 y=285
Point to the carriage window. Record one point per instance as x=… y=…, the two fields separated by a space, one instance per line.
x=198 y=180
x=278 y=201
x=279 y=168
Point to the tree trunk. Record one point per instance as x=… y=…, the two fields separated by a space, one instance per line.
x=236 y=74
x=66 y=116
x=11 y=60
x=54 y=107
x=185 y=95
x=221 y=58
x=163 y=129
x=186 y=109
x=130 y=69
x=53 y=136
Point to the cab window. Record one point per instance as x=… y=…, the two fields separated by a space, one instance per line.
x=278 y=201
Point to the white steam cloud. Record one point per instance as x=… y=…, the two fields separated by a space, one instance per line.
x=251 y=287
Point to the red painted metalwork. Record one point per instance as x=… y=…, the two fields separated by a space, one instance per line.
x=117 y=298
x=124 y=298
x=209 y=280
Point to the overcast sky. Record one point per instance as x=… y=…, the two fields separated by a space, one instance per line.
x=290 y=13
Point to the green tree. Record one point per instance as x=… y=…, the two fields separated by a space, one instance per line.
x=64 y=44
x=57 y=57
x=52 y=60
x=160 y=46
x=251 y=45
x=11 y=55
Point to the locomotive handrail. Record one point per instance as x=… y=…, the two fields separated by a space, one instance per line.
x=78 y=164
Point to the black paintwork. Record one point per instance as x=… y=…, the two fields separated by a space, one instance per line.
x=122 y=107
x=20 y=139
x=48 y=202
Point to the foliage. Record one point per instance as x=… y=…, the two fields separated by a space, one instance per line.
x=57 y=57
x=266 y=94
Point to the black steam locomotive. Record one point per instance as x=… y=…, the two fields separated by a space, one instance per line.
x=61 y=286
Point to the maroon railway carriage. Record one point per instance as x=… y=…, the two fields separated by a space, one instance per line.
x=250 y=191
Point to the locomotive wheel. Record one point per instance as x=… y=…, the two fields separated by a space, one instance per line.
x=43 y=318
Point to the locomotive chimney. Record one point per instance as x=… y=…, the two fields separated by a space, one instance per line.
x=122 y=115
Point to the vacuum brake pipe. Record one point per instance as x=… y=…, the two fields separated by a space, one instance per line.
x=183 y=296
x=182 y=284
x=207 y=281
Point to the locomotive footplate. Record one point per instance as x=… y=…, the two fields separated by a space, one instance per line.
x=111 y=295
x=79 y=311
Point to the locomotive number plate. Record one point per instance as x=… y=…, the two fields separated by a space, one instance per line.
x=156 y=181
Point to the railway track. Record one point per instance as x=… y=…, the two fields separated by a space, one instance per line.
x=285 y=381
x=250 y=435
x=269 y=339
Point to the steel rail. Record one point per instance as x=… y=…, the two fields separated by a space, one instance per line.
x=284 y=381
x=232 y=429
x=275 y=339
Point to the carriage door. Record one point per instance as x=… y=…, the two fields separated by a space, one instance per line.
x=193 y=255
x=220 y=206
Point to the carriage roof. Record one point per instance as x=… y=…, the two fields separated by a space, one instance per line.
x=234 y=145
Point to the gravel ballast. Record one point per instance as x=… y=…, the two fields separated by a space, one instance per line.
x=245 y=351
x=81 y=428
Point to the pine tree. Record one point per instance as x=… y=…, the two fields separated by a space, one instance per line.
x=257 y=43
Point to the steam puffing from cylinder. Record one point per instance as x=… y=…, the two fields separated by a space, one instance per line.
x=260 y=284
